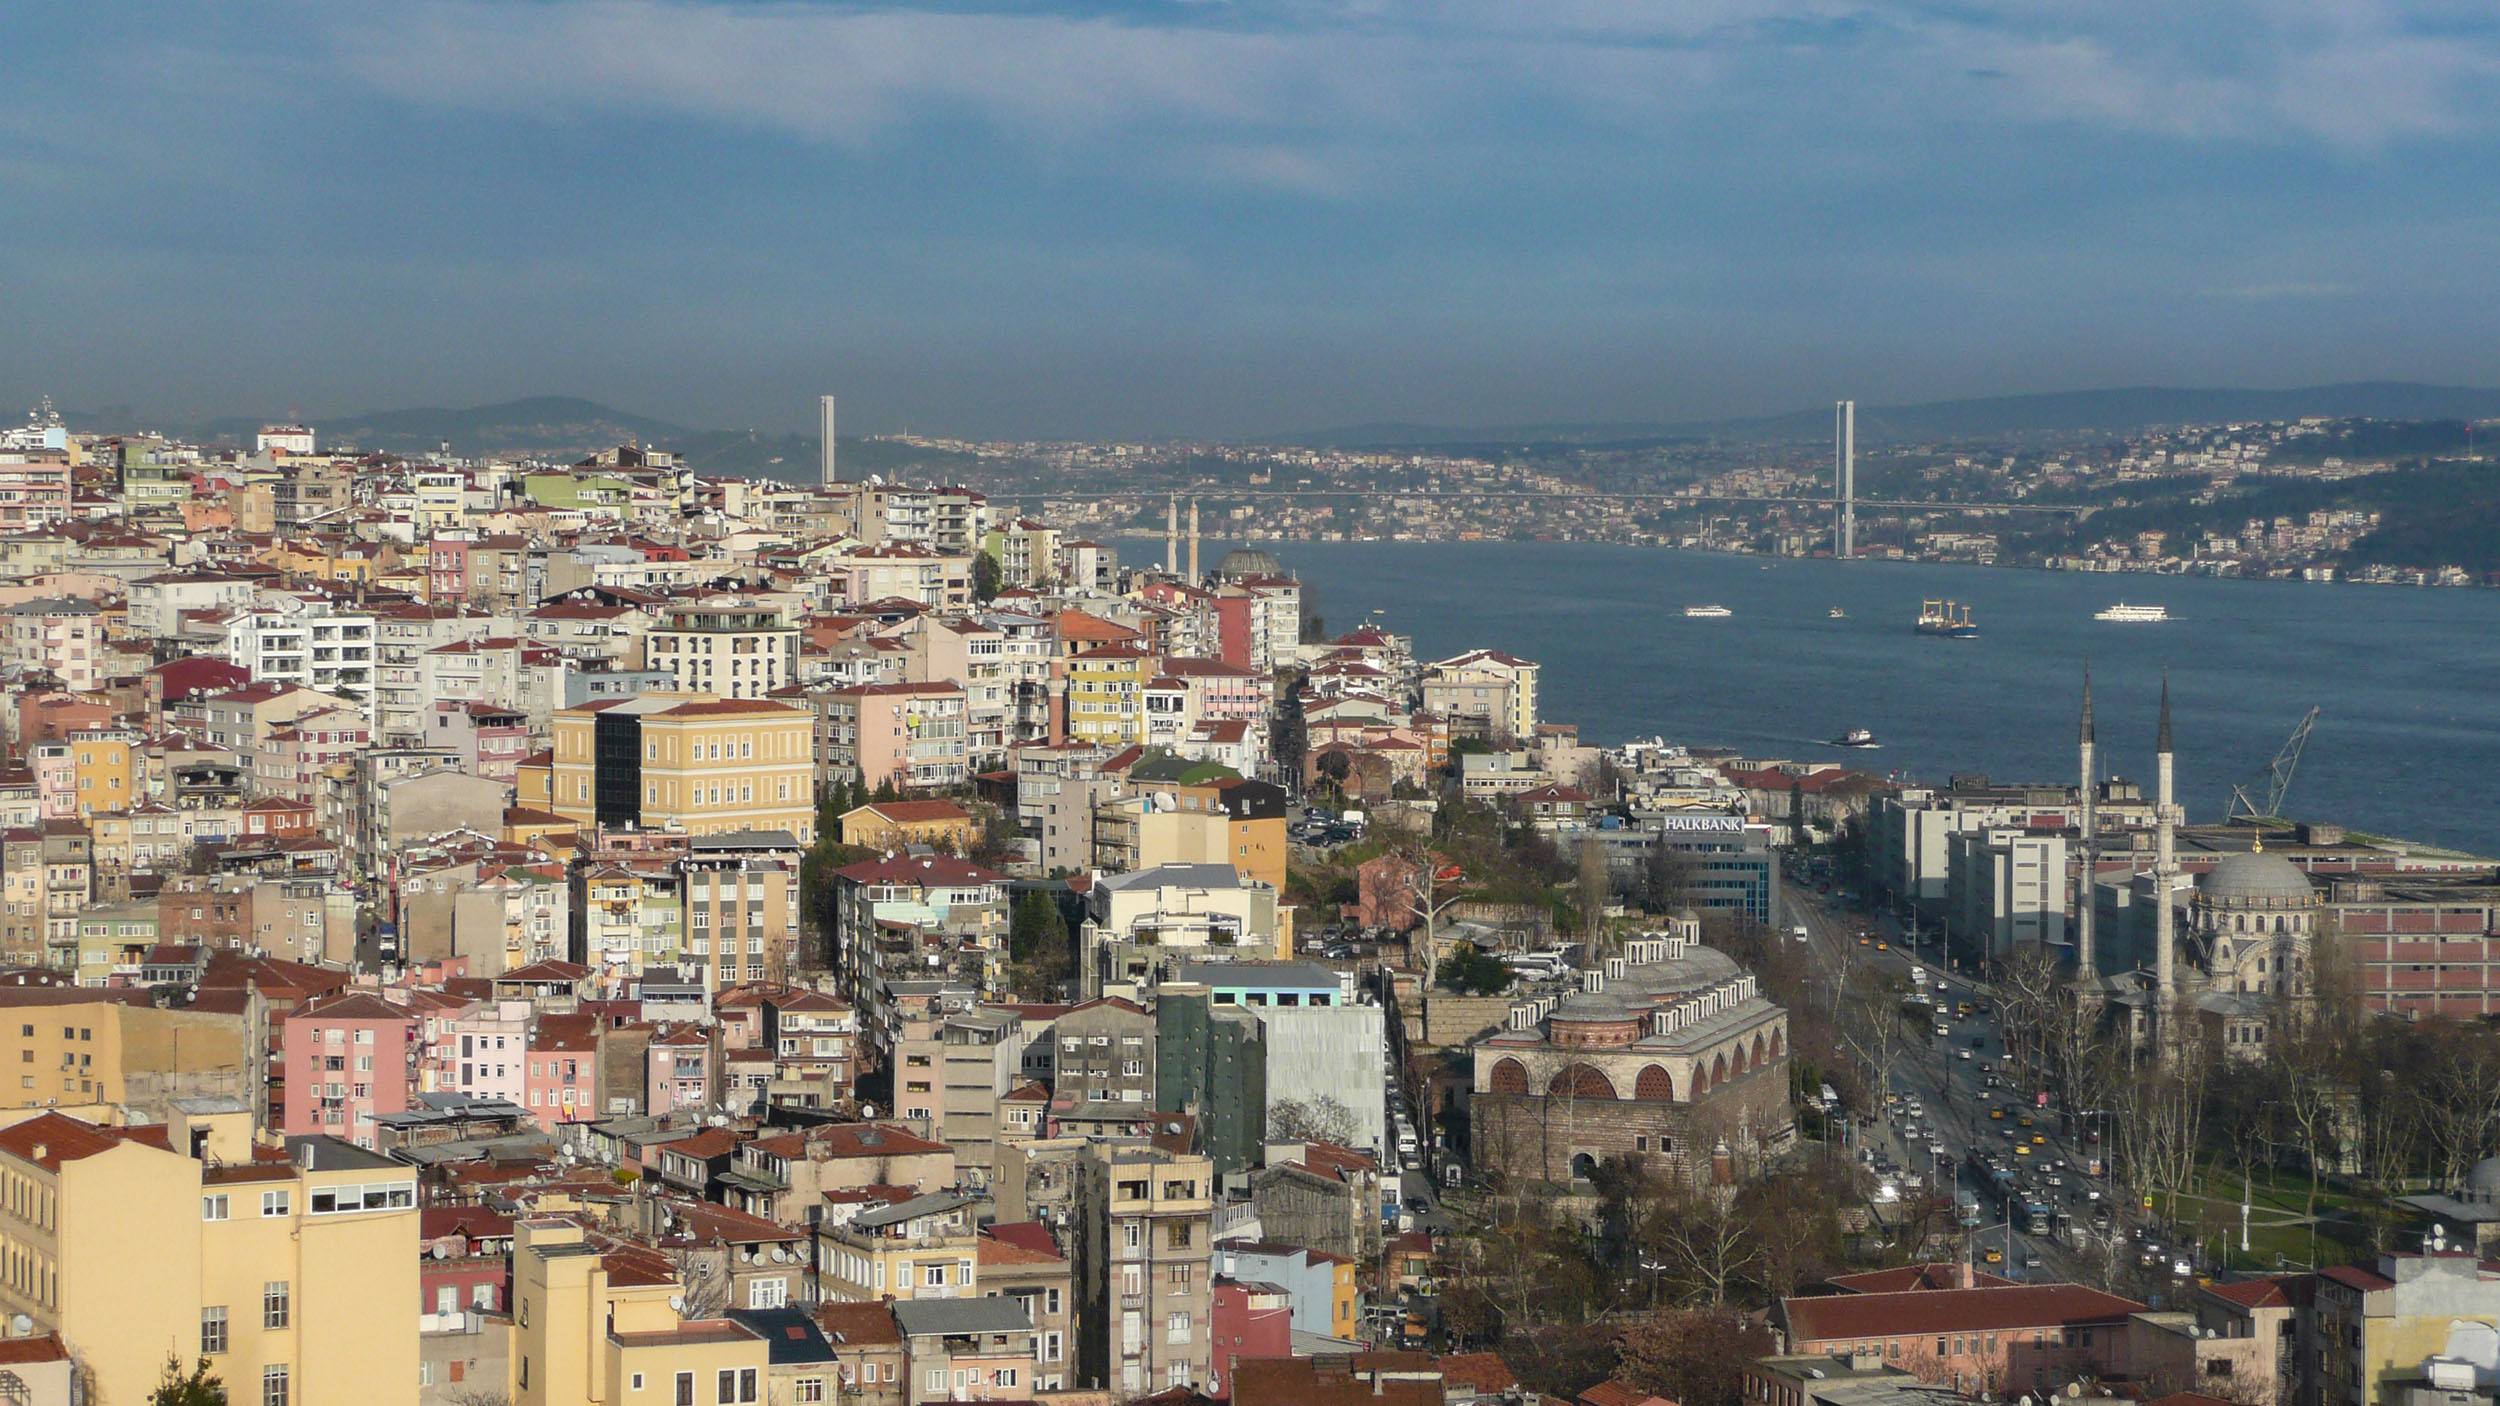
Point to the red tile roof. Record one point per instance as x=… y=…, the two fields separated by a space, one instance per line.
x=48 y=1140
x=1856 y=1317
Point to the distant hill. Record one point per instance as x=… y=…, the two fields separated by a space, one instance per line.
x=2058 y=412
x=566 y=427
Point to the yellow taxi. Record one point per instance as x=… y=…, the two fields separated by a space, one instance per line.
x=1994 y=1256
x=1883 y=946
x=1997 y=1113
x=1864 y=940
x=2024 y=1120
x=2039 y=1139
x=2022 y=1149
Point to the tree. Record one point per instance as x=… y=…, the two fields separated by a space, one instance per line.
x=1322 y=1119
x=1595 y=883
x=1665 y=879
x=1335 y=766
x=1470 y=972
x=195 y=1387
x=987 y=577
x=1694 y=1356
x=1037 y=942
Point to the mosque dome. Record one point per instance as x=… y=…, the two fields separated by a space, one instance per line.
x=2258 y=880
x=1248 y=561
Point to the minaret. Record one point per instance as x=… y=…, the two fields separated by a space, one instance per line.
x=2091 y=789
x=1172 y=536
x=2165 y=873
x=1194 y=578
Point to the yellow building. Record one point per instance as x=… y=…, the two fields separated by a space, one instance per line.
x=926 y=1247
x=67 y=1046
x=1221 y=820
x=105 y=763
x=1106 y=694
x=594 y=1327
x=885 y=825
x=689 y=762
x=296 y=1279
x=2378 y=1324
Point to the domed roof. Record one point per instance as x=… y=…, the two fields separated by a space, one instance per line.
x=1248 y=561
x=2258 y=879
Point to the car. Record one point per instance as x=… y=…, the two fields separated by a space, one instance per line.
x=1864 y=940
x=2022 y=1149
x=2039 y=1139
x=1882 y=946
x=1994 y=1256
x=2182 y=1269
x=2031 y=1261
x=2024 y=1120
x=1965 y=1054
x=1941 y=1032
x=1997 y=1113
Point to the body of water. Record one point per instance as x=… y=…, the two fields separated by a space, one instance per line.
x=2407 y=680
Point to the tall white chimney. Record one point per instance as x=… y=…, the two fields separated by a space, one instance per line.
x=824 y=432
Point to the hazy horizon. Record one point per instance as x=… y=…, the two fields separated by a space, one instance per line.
x=1205 y=219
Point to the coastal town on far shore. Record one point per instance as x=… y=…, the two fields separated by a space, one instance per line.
x=495 y=929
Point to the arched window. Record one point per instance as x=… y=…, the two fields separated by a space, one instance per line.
x=1779 y=1043
x=1701 y=1081
x=1510 y=1077
x=1736 y=1066
x=1757 y=1051
x=1718 y=1070
x=1654 y=1084
x=1580 y=1081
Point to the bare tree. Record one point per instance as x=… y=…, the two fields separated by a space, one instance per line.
x=1322 y=1119
x=1702 y=1245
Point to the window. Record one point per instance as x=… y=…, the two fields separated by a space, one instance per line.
x=934 y=1276
x=767 y=1293
x=276 y=1203
x=1176 y=1328
x=807 y=1390
x=273 y=1385
x=637 y=1381
x=213 y=1207
x=273 y=1304
x=212 y=1330
x=737 y=1386
x=685 y=1389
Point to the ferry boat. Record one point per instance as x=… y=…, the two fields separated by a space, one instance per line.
x=1707 y=612
x=1837 y=613
x=1946 y=619
x=1855 y=737
x=2126 y=614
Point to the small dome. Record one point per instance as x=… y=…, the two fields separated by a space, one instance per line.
x=1248 y=561
x=2258 y=880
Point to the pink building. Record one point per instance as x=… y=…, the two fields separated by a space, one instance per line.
x=349 y=1058
x=490 y=738
x=1249 y=1320
x=291 y=762
x=490 y=1051
x=680 y=1073
x=56 y=780
x=563 y=1076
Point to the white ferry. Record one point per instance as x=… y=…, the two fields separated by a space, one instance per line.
x=2126 y=614
x=1707 y=612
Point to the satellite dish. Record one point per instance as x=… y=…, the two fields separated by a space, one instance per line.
x=867 y=1110
x=780 y=1255
x=20 y=1325
x=677 y=1303
x=441 y=1251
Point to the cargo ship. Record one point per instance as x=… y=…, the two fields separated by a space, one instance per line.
x=1946 y=620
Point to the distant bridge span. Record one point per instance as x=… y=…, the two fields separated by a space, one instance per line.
x=1143 y=495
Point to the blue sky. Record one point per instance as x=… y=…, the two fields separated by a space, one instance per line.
x=1140 y=218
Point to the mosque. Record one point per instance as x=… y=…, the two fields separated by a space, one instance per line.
x=2224 y=954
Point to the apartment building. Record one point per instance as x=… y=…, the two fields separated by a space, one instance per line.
x=604 y=1326
x=1141 y=1268
x=695 y=763
x=349 y=1059
x=724 y=645
x=274 y=1271
x=1105 y=694
x=1485 y=694
x=62 y=637
x=923 y=1247
x=911 y=736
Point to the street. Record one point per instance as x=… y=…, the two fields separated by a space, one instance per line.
x=1951 y=1116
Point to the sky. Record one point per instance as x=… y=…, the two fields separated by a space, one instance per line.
x=1204 y=218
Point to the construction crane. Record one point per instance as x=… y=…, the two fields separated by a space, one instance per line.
x=2277 y=779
